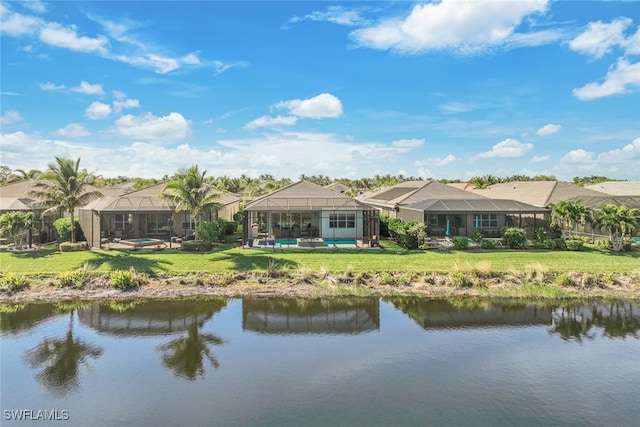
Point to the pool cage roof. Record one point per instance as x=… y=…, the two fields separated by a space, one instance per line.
x=304 y=196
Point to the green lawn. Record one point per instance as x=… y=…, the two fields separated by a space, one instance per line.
x=229 y=258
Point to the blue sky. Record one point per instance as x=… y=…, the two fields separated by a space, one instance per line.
x=447 y=89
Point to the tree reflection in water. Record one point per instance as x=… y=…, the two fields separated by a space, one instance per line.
x=185 y=356
x=577 y=323
x=60 y=360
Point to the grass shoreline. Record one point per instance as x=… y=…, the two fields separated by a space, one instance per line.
x=233 y=272
x=308 y=284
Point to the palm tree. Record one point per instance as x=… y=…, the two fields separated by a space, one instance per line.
x=13 y=223
x=23 y=175
x=570 y=215
x=62 y=187
x=192 y=193
x=619 y=220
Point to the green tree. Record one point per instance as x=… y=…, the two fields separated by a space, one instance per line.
x=192 y=193
x=62 y=188
x=620 y=221
x=571 y=215
x=14 y=223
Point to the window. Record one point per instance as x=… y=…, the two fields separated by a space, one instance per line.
x=486 y=221
x=346 y=220
x=187 y=223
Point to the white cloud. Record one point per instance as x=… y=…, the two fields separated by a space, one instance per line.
x=436 y=161
x=120 y=105
x=97 y=111
x=48 y=86
x=73 y=130
x=10 y=117
x=629 y=155
x=598 y=39
x=55 y=34
x=464 y=27
x=548 y=129
x=269 y=121
x=632 y=44
x=621 y=78
x=149 y=127
x=335 y=14
x=540 y=159
x=15 y=24
x=509 y=148
x=35 y=6
x=458 y=107
x=88 y=89
x=405 y=145
x=322 y=106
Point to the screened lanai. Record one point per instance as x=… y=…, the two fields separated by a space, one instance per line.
x=304 y=213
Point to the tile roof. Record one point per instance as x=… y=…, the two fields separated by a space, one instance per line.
x=537 y=193
x=617 y=188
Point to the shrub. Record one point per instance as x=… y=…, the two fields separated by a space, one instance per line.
x=196 y=245
x=210 y=231
x=603 y=243
x=231 y=227
x=574 y=244
x=76 y=278
x=386 y=279
x=560 y=243
x=63 y=228
x=73 y=247
x=458 y=279
x=488 y=244
x=460 y=243
x=124 y=279
x=476 y=237
x=541 y=235
x=513 y=237
x=12 y=282
x=563 y=279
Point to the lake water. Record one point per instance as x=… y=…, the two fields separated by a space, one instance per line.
x=326 y=362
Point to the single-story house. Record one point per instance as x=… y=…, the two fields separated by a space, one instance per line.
x=536 y=193
x=143 y=214
x=450 y=211
x=307 y=210
x=15 y=197
x=617 y=188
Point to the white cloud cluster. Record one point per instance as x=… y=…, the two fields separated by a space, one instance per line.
x=269 y=121
x=120 y=47
x=507 y=149
x=463 y=27
x=436 y=161
x=88 y=89
x=621 y=78
x=625 y=159
x=73 y=130
x=49 y=86
x=405 y=145
x=335 y=14
x=97 y=110
x=119 y=105
x=148 y=127
x=599 y=39
x=322 y=106
x=548 y=129
x=10 y=117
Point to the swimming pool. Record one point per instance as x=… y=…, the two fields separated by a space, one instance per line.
x=294 y=242
x=141 y=242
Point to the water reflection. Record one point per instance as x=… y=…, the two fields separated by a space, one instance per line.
x=472 y=313
x=20 y=318
x=576 y=323
x=184 y=356
x=143 y=318
x=60 y=359
x=310 y=316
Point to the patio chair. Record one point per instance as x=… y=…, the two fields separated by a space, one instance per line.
x=117 y=235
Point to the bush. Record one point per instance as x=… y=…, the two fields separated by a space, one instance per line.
x=214 y=231
x=63 y=228
x=12 y=282
x=407 y=234
x=476 y=237
x=76 y=279
x=196 y=245
x=603 y=243
x=458 y=279
x=488 y=244
x=73 y=247
x=231 y=227
x=125 y=279
x=563 y=279
x=460 y=243
x=574 y=244
x=514 y=237
x=541 y=235
x=560 y=243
